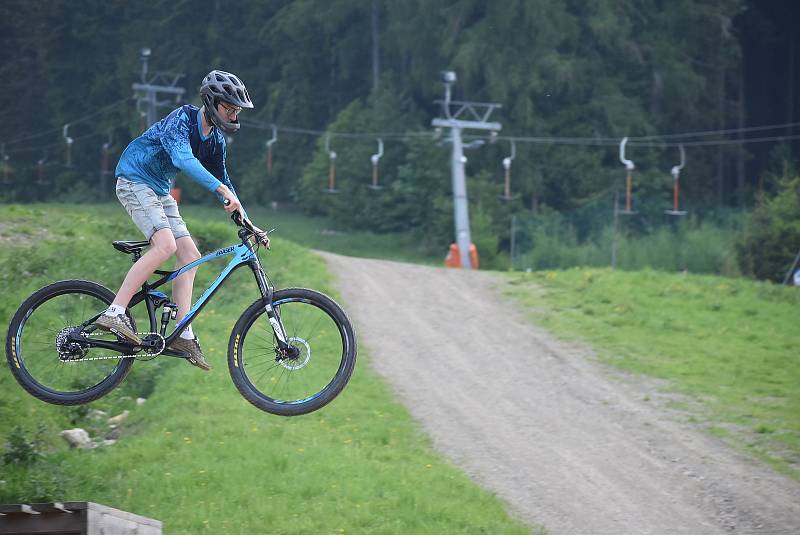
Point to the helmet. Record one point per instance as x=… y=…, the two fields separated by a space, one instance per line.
x=226 y=87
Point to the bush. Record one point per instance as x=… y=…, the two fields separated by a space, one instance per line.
x=771 y=238
x=551 y=241
x=28 y=474
x=22 y=450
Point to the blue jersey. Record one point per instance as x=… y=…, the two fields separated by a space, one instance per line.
x=176 y=143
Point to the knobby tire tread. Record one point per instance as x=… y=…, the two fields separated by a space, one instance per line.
x=248 y=318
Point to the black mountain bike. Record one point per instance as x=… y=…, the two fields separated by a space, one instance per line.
x=291 y=352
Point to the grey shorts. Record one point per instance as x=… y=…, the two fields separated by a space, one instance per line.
x=150 y=212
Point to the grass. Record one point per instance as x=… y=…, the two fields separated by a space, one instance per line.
x=322 y=234
x=196 y=455
x=730 y=344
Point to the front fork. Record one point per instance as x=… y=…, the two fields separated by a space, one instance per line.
x=266 y=297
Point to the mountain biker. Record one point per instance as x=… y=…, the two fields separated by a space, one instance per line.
x=191 y=140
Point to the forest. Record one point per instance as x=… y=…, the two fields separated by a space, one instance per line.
x=716 y=79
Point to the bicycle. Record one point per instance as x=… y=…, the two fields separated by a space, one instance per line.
x=58 y=355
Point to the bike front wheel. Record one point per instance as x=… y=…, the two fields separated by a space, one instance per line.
x=312 y=373
x=43 y=359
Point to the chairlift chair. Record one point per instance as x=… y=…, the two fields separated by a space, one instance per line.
x=375 y=158
x=104 y=160
x=6 y=166
x=41 y=179
x=105 y=152
x=269 y=144
x=331 y=166
x=68 y=150
x=506 y=196
x=629 y=167
x=676 y=172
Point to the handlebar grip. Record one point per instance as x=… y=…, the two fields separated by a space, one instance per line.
x=236 y=216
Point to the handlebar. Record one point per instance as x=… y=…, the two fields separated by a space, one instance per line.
x=248 y=228
x=236 y=216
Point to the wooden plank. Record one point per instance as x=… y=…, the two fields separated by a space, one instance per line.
x=68 y=518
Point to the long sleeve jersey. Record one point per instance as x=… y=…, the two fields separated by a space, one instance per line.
x=176 y=143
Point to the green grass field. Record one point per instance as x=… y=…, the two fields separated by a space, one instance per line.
x=196 y=455
x=731 y=345
x=201 y=459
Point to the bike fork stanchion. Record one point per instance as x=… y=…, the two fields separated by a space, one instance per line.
x=266 y=295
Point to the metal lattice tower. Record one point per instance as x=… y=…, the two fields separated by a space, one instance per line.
x=458 y=116
x=148 y=90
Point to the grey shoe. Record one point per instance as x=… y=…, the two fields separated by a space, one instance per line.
x=192 y=349
x=119 y=325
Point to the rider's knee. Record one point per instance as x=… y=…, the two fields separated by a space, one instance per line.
x=187 y=250
x=163 y=243
x=165 y=250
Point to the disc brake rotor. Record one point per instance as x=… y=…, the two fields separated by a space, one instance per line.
x=301 y=359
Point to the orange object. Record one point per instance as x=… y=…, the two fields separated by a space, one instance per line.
x=453 y=258
x=176 y=194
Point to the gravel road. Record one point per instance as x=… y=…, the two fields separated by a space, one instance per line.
x=566 y=442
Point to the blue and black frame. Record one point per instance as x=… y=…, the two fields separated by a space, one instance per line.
x=244 y=254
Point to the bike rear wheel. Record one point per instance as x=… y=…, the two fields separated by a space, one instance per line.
x=319 y=365
x=45 y=363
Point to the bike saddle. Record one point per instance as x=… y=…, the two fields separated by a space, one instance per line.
x=130 y=247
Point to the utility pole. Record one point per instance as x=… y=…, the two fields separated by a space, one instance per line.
x=458 y=116
x=376 y=53
x=150 y=86
x=104 y=157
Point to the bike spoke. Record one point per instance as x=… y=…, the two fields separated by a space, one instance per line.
x=310 y=330
x=37 y=348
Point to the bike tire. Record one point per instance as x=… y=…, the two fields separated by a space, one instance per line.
x=324 y=337
x=32 y=339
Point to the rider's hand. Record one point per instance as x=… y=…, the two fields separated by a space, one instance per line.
x=230 y=202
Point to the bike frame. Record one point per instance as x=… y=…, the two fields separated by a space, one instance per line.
x=243 y=255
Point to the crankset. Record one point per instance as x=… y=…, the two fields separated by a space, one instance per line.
x=70 y=352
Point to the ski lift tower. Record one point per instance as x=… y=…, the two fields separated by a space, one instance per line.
x=458 y=116
x=147 y=91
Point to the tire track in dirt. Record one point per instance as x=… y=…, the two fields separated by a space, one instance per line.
x=568 y=443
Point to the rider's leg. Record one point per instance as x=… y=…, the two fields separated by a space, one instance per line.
x=187 y=343
x=162 y=246
x=182 y=286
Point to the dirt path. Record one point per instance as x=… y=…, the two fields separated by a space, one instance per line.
x=567 y=443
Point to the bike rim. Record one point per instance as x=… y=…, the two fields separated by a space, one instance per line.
x=311 y=370
x=37 y=338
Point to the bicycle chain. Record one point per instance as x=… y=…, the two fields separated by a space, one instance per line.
x=144 y=354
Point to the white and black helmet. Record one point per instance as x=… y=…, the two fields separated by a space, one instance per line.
x=225 y=87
